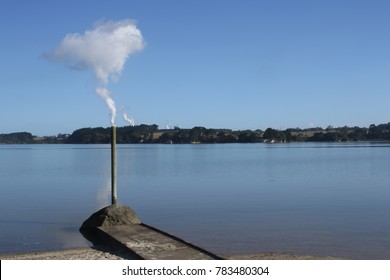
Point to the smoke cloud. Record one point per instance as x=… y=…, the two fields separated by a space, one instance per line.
x=102 y=50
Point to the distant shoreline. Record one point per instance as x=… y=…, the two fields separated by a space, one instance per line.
x=151 y=134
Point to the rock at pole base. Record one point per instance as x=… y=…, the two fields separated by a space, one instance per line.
x=112 y=215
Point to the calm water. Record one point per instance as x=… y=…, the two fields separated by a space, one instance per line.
x=302 y=198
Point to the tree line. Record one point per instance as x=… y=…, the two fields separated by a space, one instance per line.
x=152 y=134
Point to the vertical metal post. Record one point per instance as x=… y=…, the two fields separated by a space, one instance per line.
x=113 y=165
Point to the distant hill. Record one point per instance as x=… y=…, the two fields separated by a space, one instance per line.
x=16 y=138
x=28 y=138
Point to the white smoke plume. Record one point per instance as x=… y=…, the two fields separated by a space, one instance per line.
x=105 y=94
x=131 y=121
x=102 y=50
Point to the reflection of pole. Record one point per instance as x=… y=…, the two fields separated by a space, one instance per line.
x=113 y=165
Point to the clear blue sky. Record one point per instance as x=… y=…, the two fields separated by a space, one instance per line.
x=242 y=64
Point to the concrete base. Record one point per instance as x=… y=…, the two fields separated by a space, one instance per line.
x=118 y=226
x=148 y=243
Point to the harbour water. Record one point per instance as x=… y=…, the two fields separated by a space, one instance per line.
x=329 y=199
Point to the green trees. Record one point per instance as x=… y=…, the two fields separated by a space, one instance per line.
x=273 y=135
x=249 y=136
x=379 y=132
x=358 y=134
x=89 y=135
x=197 y=135
x=324 y=137
x=16 y=138
x=136 y=134
x=129 y=134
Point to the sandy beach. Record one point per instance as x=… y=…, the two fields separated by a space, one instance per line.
x=87 y=253
x=104 y=253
